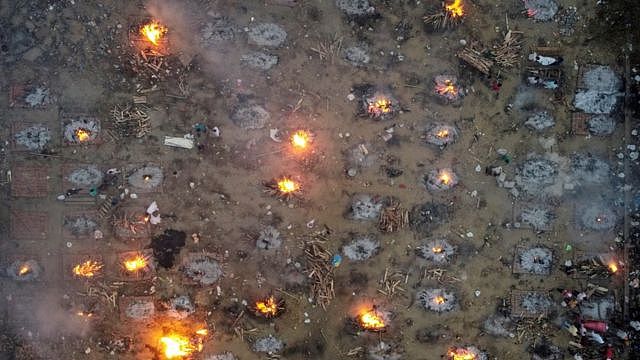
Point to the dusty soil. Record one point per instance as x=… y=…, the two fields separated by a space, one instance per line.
x=79 y=49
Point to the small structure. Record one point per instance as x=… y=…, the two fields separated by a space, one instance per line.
x=30 y=181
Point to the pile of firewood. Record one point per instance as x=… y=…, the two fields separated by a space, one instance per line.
x=393 y=217
x=130 y=120
x=476 y=59
x=441 y=20
x=507 y=54
x=320 y=271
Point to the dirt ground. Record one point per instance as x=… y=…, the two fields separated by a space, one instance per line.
x=80 y=50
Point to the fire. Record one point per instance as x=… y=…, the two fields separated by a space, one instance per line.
x=380 y=106
x=455 y=9
x=439 y=300
x=88 y=268
x=84 y=314
x=371 y=320
x=444 y=178
x=613 y=267
x=24 y=269
x=442 y=133
x=532 y=12
x=82 y=135
x=437 y=249
x=202 y=332
x=300 y=139
x=176 y=346
x=146 y=177
x=461 y=354
x=136 y=263
x=153 y=31
x=447 y=88
x=287 y=186
x=267 y=308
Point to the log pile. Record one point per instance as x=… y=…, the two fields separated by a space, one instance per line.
x=441 y=20
x=130 y=120
x=320 y=271
x=393 y=217
x=507 y=54
x=475 y=58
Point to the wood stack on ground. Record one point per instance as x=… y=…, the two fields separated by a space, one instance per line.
x=507 y=54
x=320 y=271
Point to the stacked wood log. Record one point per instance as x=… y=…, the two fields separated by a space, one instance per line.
x=393 y=217
x=475 y=58
x=130 y=120
x=320 y=271
x=507 y=54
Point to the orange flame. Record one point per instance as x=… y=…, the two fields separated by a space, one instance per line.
x=136 y=263
x=176 y=346
x=24 y=269
x=88 y=268
x=532 y=12
x=461 y=354
x=84 y=314
x=442 y=133
x=371 y=320
x=380 y=106
x=439 y=300
x=82 y=135
x=437 y=249
x=455 y=9
x=613 y=267
x=300 y=139
x=444 y=177
x=287 y=186
x=447 y=88
x=202 y=332
x=268 y=307
x=153 y=31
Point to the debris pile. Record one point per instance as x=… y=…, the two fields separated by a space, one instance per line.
x=536 y=260
x=362 y=247
x=202 y=268
x=365 y=207
x=268 y=239
x=437 y=300
x=34 y=138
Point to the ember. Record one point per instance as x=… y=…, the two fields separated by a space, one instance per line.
x=176 y=346
x=287 y=186
x=442 y=134
x=379 y=106
x=136 y=263
x=455 y=9
x=613 y=267
x=24 y=269
x=268 y=308
x=153 y=32
x=446 y=88
x=437 y=250
x=439 y=300
x=371 y=320
x=82 y=134
x=88 y=269
x=461 y=354
x=300 y=139
x=441 y=179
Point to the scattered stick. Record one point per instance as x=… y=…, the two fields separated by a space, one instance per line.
x=320 y=270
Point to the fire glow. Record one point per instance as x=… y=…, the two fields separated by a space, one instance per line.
x=87 y=269
x=437 y=249
x=455 y=9
x=268 y=307
x=613 y=267
x=136 y=263
x=444 y=177
x=300 y=139
x=287 y=186
x=447 y=88
x=24 y=270
x=379 y=106
x=370 y=319
x=82 y=134
x=178 y=346
x=153 y=32
x=461 y=354
x=439 y=300
x=442 y=134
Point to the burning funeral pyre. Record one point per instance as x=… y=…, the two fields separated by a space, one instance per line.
x=268 y=308
x=441 y=134
x=301 y=140
x=440 y=179
x=284 y=187
x=81 y=130
x=179 y=345
x=446 y=87
x=372 y=319
x=436 y=252
x=24 y=270
x=437 y=300
x=136 y=265
x=87 y=269
x=380 y=106
x=465 y=353
x=451 y=14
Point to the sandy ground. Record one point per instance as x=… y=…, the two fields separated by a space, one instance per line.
x=83 y=42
